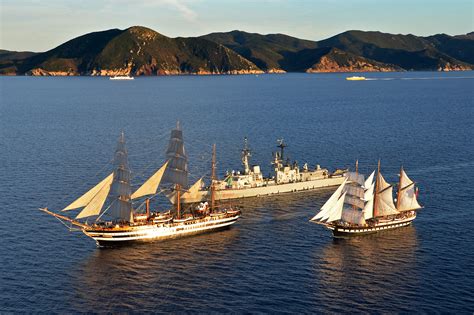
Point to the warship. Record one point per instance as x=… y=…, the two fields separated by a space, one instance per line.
x=361 y=206
x=287 y=177
x=121 y=222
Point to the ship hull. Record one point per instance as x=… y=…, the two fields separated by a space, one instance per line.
x=344 y=231
x=229 y=194
x=147 y=233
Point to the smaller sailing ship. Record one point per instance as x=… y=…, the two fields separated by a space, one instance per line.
x=121 y=222
x=361 y=206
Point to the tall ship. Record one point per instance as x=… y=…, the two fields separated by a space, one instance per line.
x=127 y=216
x=363 y=206
x=287 y=177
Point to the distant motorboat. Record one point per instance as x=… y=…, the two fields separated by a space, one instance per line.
x=121 y=77
x=355 y=78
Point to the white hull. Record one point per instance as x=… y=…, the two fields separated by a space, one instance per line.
x=228 y=194
x=382 y=226
x=104 y=237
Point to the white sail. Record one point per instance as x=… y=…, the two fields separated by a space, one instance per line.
x=369 y=181
x=353 y=216
x=151 y=185
x=95 y=205
x=385 y=204
x=355 y=177
x=368 y=210
x=329 y=204
x=369 y=192
x=382 y=182
x=407 y=194
x=336 y=212
x=85 y=199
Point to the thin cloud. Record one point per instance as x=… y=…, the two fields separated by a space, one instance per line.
x=179 y=5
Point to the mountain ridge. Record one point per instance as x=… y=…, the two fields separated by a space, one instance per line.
x=138 y=50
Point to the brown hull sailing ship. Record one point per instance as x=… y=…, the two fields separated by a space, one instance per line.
x=361 y=206
x=121 y=223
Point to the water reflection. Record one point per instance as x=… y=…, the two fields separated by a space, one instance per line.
x=368 y=270
x=152 y=276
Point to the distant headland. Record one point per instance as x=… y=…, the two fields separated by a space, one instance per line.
x=142 y=51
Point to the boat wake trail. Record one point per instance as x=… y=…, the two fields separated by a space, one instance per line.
x=424 y=78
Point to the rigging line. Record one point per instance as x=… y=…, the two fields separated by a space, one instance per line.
x=100 y=216
x=68 y=227
x=83 y=186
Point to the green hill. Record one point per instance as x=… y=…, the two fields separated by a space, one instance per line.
x=142 y=51
x=136 y=51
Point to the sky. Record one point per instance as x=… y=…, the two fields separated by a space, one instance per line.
x=40 y=25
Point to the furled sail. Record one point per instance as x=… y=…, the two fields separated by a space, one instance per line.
x=384 y=202
x=177 y=170
x=120 y=192
x=85 y=199
x=330 y=203
x=150 y=187
x=407 y=194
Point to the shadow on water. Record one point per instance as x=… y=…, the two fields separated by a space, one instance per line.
x=151 y=276
x=370 y=271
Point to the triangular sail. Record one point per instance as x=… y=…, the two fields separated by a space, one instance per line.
x=368 y=210
x=190 y=193
x=150 y=187
x=177 y=170
x=329 y=204
x=85 y=199
x=407 y=194
x=368 y=182
x=336 y=212
x=94 y=207
x=384 y=202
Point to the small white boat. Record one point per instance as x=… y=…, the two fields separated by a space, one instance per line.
x=121 y=77
x=355 y=78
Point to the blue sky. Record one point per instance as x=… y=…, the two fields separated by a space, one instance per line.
x=39 y=25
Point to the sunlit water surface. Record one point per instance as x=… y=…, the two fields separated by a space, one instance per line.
x=58 y=136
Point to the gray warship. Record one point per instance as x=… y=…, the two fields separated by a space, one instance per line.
x=286 y=178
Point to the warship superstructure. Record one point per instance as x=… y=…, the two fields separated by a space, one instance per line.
x=127 y=216
x=361 y=206
x=287 y=177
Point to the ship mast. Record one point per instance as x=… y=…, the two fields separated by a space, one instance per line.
x=282 y=147
x=213 y=177
x=178 y=201
x=376 y=189
x=245 y=157
x=399 y=188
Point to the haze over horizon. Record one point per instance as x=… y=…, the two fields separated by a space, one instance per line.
x=32 y=25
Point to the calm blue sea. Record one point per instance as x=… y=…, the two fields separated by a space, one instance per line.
x=57 y=137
